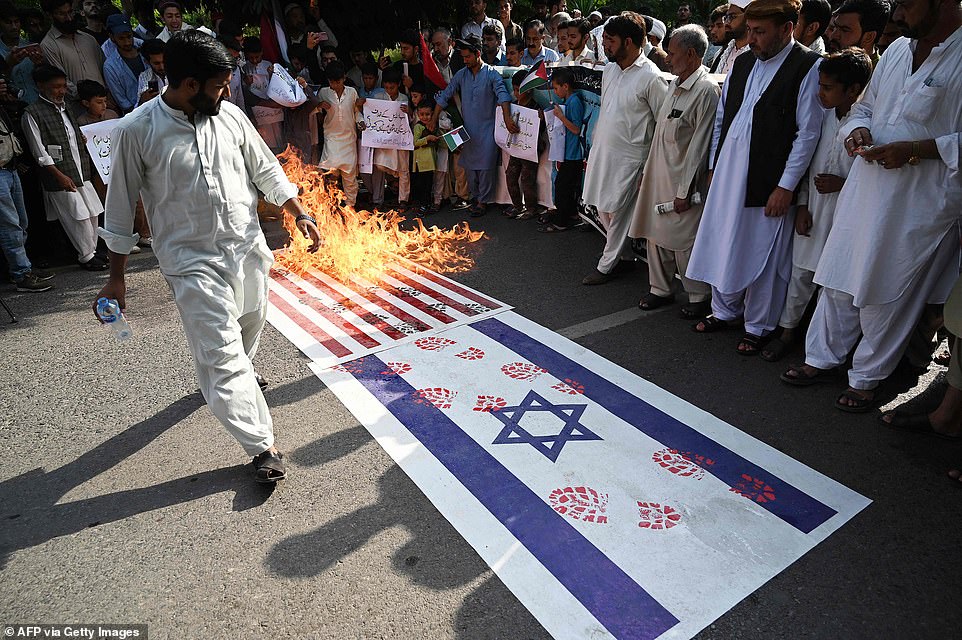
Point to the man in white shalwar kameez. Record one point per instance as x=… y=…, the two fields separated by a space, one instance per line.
x=767 y=126
x=198 y=163
x=894 y=244
x=632 y=92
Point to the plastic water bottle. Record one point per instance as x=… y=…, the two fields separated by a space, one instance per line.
x=109 y=311
x=669 y=207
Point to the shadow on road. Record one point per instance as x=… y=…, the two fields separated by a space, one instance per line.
x=31 y=515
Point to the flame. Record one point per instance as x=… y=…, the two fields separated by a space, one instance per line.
x=363 y=243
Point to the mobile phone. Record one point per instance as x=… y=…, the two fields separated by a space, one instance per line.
x=152 y=85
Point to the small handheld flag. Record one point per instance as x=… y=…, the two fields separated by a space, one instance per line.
x=455 y=138
x=537 y=78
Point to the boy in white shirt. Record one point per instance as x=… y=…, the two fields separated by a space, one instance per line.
x=341 y=117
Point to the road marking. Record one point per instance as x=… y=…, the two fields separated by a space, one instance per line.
x=604 y=323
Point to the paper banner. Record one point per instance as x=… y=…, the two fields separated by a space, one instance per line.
x=556 y=135
x=386 y=126
x=522 y=145
x=98 y=144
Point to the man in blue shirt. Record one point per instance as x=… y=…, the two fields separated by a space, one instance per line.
x=122 y=69
x=534 y=38
x=481 y=88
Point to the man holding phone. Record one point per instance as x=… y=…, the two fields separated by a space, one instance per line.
x=154 y=78
x=21 y=56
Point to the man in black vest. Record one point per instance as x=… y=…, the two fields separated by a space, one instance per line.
x=767 y=126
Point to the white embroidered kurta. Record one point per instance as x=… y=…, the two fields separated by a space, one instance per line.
x=630 y=99
x=830 y=158
x=340 y=124
x=677 y=162
x=734 y=242
x=199 y=182
x=889 y=222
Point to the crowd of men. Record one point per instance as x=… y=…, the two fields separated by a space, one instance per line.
x=790 y=155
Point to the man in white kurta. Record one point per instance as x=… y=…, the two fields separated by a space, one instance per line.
x=894 y=244
x=199 y=164
x=744 y=252
x=632 y=92
x=341 y=118
x=675 y=172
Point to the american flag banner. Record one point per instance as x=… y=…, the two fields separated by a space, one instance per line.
x=335 y=320
x=610 y=507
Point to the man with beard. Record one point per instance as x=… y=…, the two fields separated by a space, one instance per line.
x=813 y=21
x=894 y=243
x=766 y=129
x=717 y=37
x=95 y=14
x=578 y=49
x=198 y=163
x=738 y=31
x=858 y=23
x=78 y=54
x=492 y=44
x=632 y=91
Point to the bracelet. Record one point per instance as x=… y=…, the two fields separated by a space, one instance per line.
x=304 y=216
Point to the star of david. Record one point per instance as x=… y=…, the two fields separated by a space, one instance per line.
x=549 y=445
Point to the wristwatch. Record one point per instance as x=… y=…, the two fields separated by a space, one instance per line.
x=914 y=159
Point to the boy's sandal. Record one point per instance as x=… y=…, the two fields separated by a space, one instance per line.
x=269 y=467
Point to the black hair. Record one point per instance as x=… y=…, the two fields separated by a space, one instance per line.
x=391 y=74
x=718 y=13
x=299 y=51
x=328 y=49
x=229 y=29
x=194 y=54
x=849 y=66
x=7 y=10
x=419 y=87
x=873 y=15
x=49 y=5
x=628 y=24
x=334 y=71
x=561 y=75
x=89 y=89
x=427 y=103
x=369 y=69
x=47 y=72
x=228 y=41
x=580 y=24
x=152 y=47
x=518 y=77
x=517 y=43
x=411 y=37
x=819 y=11
x=253 y=45
x=534 y=23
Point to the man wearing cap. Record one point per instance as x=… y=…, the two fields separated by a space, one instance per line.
x=632 y=91
x=767 y=125
x=123 y=68
x=594 y=19
x=171 y=15
x=481 y=88
x=656 y=35
x=738 y=30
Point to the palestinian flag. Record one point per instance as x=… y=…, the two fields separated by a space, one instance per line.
x=536 y=78
x=455 y=138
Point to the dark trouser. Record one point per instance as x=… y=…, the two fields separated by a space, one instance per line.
x=567 y=191
x=422 y=183
x=522 y=176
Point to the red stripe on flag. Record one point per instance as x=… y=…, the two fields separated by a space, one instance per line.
x=434 y=293
x=417 y=304
x=453 y=286
x=362 y=338
x=395 y=311
x=430 y=68
x=322 y=337
x=358 y=310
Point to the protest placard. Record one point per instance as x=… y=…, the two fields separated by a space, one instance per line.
x=386 y=126
x=524 y=144
x=556 y=135
x=98 y=144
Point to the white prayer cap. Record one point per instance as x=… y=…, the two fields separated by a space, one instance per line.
x=594 y=14
x=658 y=29
x=741 y=4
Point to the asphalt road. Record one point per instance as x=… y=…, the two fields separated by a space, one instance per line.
x=122 y=499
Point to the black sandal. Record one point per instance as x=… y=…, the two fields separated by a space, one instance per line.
x=653 y=301
x=860 y=404
x=711 y=324
x=695 y=310
x=803 y=379
x=753 y=343
x=776 y=350
x=269 y=467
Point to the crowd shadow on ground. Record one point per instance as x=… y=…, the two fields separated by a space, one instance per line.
x=435 y=556
x=31 y=515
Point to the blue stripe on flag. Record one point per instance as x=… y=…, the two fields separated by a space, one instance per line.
x=792 y=505
x=613 y=598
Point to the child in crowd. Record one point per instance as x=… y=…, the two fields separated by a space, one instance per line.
x=341 y=118
x=841 y=78
x=93 y=98
x=425 y=159
x=370 y=80
x=392 y=161
x=567 y=182
x=268 y=114
x=513 y=50
x=297 y=54
x=522 y=175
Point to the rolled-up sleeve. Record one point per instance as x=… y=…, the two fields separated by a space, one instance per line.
x=950 y=150
x=126 y=177
x=32 y=133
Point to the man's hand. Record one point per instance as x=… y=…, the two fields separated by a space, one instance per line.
x=511 y=125
x=17 y=54
x=325 y=105
x=778 y=203
x=405 y=108
x=313 y=39
x=115 y=289
x=65 y=182
x=889 y=156
x=828 y=183
x=858 y=138
x=803 y=221
x=302 y=83
x=384 y=63
x=148 y=95
x=682 y=205
x=310 y=231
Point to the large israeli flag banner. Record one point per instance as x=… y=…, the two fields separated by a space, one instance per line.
x=608 y=506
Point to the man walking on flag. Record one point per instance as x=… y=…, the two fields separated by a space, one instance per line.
x=481 y=89
x=631 y=95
